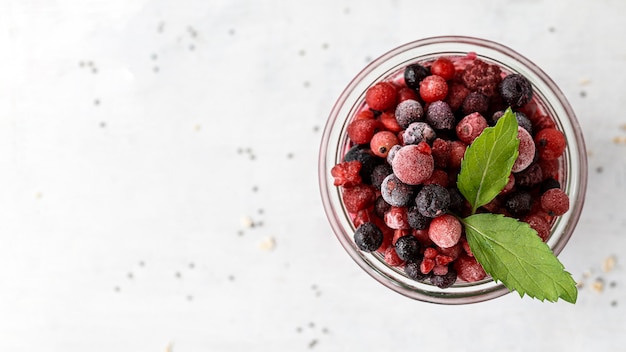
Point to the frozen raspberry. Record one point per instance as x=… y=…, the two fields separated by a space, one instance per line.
x=396 y=218
x=433 y=88
x=518 y=203
x=539 y=224
x=381 y=206
x=445 y=231
x=456 y=95
x=346 y=174
x=482 y=77
x=416 y=219
x=526 y=150
x=530 y=176
x=409 y=111
x=475 y=102
x=368 y=237
x=522 y=120
x=408 y=247
x=391 y=257
x=470 y=127
x=358 y=197
x=413 y=164
x=414 y=74
x=445 y=280
x=555 y=202
x=515 y=90
x=383 y=141
x=550 y=143
x=432 y=200
x=441 y=153
x=457 y=151
x=396 y=192
x=381 y=96
x=389 y=122
x=379 y=173
x=368 y=161
x=440 y=116
x=468 y=269
x=418 y=132
x=362 y=131
x=442 y=259
x=412 y=270
x=443 y=67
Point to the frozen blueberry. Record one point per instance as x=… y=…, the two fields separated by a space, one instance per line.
x=408 y=111
x=515 y=90
x=392 y=153
x=522 y=120
x=439 y=115
x=414 y=74
x=416 y=219
x=396 y=192
x=432 y=200
x=379 y=173
x=368 y=161
x=368 y=237
x=456 y=200
x=418 y=132
x=518 y=203
x=413 y=271
x=475 y=102
x=381 y=207
x=407 y=247
x=444 y=281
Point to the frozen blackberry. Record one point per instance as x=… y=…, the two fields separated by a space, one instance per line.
x=413 y=271
x=396 y=192
x=414 y=74
x=444 y=281
x=518 y=203
x=368 y=161
x=522 y=120
x=408 y=247
x=432 y=200
x=418 y=132
x=408 y=111
x=416 y=219
x=381 y=207
x=439 y=115
x=379 y=173
x=475 y=102
x=515 y=90
x=549 y=183
x=368 y=237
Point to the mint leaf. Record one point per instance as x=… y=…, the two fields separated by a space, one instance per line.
x=487 y=162
x=511 y=252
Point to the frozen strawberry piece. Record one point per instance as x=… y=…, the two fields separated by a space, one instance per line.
x=362 y=216
x=391 y=257
x=430 y=253
x=442 y=259
x=413 y=164
x=396 y=218
x=468 y=269
x=445 y=231
x=346 y=173
x=358 y=197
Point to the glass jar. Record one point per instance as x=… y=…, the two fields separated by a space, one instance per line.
x=335 y=143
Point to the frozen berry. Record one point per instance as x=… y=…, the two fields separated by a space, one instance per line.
x=482 y=77
x=392 y=153
x=440 y=116
x=396 y=192
x=432 y=200
x=446 y=280
x=522 y=120
x=412 y=270
x=427 y=265
x=365 y=115
x=379 y=173
x=457 y=151
x=468 y=269
x=408 y=247
x=413 y=164
x=396 y=218
x=550 y=143
x=438 y=177
x=346 y=173
x=406 y=93
x=518 y=203
x=383 y=141
x=530 y=176
x=362 y=131
x=456 y=95
x=549 y=183
x=368 y=161
x=381 y=96
x=391 y=257
x=549 y=168
x=368 y=237
x=539 y=224
x=457 y=200
x=526 y=150
x=409 y=111
x=381 y=207
x=555 y=202
x=445 y=231
x=443 y=67
x=470 y=127
x=441 y=153
x=515 y=90
x=416 y=219
x=433 y=88
x=389 y=122
x=414 y=74
x=475 y=102
x=358 y=197
x=418 y=132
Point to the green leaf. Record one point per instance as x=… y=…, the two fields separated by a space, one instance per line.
x=511 y=252
x=487 y=162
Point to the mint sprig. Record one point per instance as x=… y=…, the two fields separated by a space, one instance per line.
x=509 y=250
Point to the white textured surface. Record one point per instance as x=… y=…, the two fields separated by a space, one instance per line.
x=124 y=192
